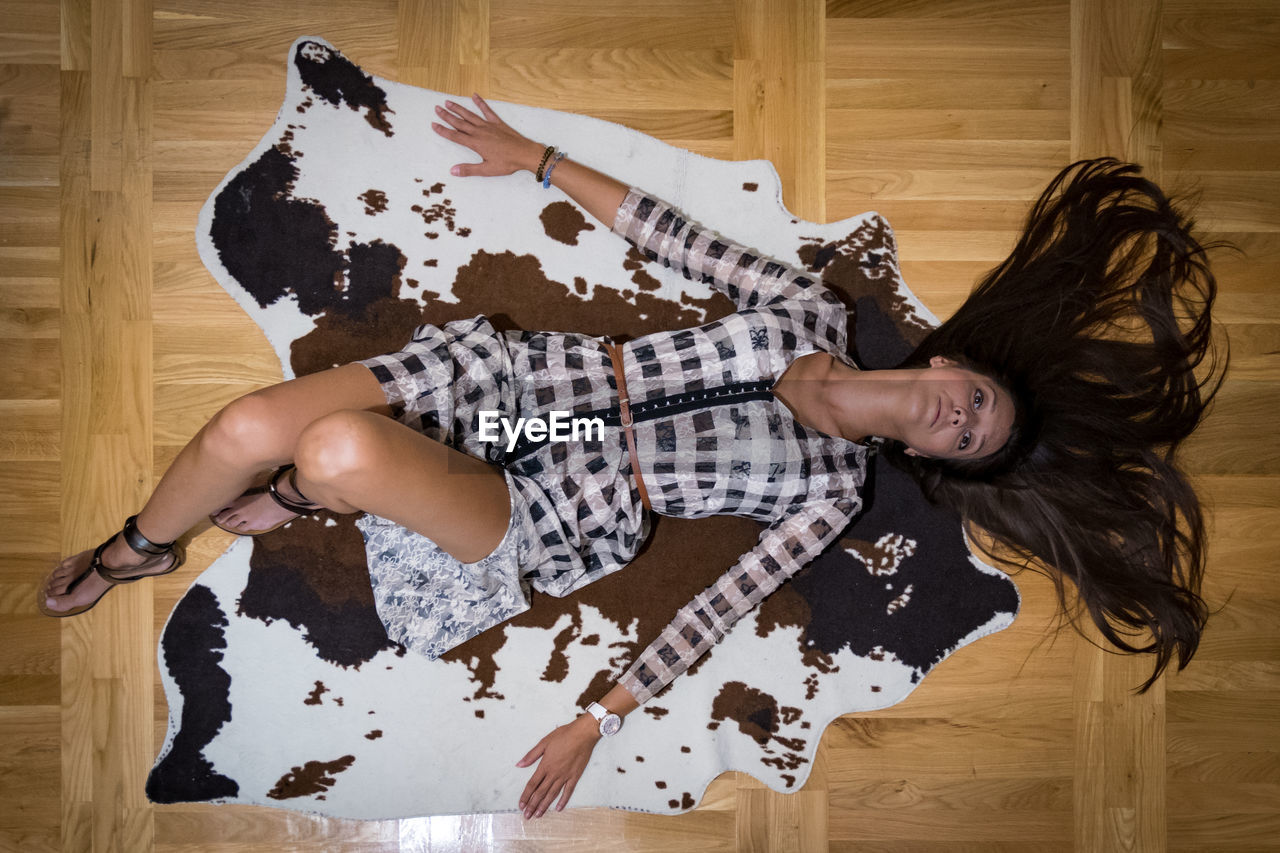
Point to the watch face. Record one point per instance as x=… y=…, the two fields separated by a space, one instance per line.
x=610 y=724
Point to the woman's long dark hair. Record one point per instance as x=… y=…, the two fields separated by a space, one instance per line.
x=1098 y=324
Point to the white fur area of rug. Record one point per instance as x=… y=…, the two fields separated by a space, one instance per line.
x=401 y=736
x=385 y=734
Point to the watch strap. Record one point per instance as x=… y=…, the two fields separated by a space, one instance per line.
x=609 y=722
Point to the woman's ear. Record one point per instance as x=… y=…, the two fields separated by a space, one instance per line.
x=911 y=451
x=941 y=361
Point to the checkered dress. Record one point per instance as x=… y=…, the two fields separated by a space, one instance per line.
x=712 y=438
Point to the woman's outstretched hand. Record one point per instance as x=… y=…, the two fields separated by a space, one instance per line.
x=502 y=150
x=561 y=756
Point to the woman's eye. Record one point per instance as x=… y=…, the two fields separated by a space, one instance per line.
x=965 y=439
x=977 y=399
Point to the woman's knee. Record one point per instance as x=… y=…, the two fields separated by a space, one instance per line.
x=249 y=429
x=337 y=445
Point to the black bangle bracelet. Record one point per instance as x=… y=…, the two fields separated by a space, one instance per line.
x=546 y=155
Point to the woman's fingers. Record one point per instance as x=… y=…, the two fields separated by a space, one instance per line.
x=454 y=122
x=546 y=791
x=530 y=788
x=540 y=792
x=568 y=792
x=485 y=109
x=447 y=132
x=546 y=797
x=536 y=803
x=463 y=114
x=461 y=170
x=533 y=754
x=486 y=166
x=538 y=775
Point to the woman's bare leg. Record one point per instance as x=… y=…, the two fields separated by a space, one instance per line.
x=257 y=431
x=355 y=461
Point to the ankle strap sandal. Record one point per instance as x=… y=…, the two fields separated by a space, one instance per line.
x=161 y=560
x=272 y=489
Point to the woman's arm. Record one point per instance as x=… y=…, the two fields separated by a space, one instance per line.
x=785 y=547
x=503 y=151
x=655 y=227
x=665 y=234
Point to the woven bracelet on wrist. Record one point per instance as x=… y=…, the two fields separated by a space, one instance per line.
x=546 y=155
x=546 y=179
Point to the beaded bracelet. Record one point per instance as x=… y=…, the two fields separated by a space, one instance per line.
x=546 y=155
x=546 y=179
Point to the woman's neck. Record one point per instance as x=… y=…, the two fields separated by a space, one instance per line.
x=826 y=394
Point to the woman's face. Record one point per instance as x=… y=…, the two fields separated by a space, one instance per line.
x=956 y=413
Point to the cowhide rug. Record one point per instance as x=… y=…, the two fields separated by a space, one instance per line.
x=339 y=233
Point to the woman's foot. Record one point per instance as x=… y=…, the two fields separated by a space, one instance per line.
x=78 y=582
x=259 y=510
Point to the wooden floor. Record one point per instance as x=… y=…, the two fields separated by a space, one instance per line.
x=118 y=118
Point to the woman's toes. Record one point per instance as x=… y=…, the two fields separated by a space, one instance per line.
x=55 y=596
x=61 y=601
x=56 y=583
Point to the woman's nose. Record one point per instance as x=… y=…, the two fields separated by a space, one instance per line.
x=959 y=417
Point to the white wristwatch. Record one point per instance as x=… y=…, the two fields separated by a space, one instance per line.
x=609 y=723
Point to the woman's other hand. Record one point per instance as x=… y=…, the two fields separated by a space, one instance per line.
x=502 y=150
x=561 y=756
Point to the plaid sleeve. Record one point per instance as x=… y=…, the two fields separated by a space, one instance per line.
x=663 y=234
x=785 y=547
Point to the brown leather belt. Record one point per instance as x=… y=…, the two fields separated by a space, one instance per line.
x=624 y=407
